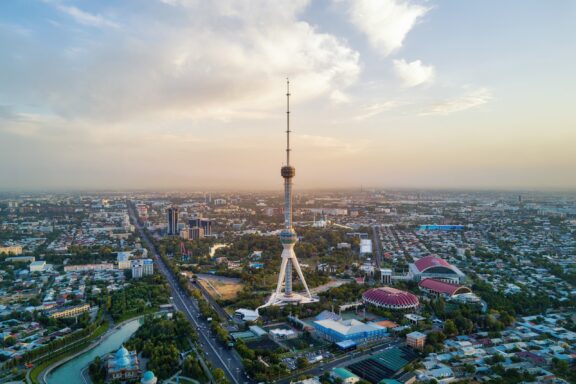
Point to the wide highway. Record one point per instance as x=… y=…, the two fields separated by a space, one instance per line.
x=217 y=353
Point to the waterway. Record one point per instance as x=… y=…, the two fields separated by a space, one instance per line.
x=71 y=371
x=216 y=247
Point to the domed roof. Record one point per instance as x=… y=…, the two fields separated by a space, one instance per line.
x=149 y=378
x=443 y=287
x=122 y=357
x=122 y=352
x=148 y=375
x=387 y=296
x=430 y=262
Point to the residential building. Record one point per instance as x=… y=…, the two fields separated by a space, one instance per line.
x=68 y=312
x=416 y=340
x=38 y=266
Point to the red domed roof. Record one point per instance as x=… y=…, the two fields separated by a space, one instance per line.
x=387 y=296
x=431 y=261
x=443 y=287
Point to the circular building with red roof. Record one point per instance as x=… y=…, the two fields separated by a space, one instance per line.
x=391 y=298
x=434 y=267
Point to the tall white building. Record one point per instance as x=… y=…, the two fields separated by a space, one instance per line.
x=137 y=269
x=142 y=267
x=147 y=267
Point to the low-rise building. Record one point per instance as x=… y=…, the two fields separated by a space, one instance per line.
x=357 y=331
x=58 y=313
x=88 y=267
x=416 y=340
x=343 y=375
x=12 y=249
x=38 y=266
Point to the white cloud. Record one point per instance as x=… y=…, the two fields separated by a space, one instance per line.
x=469 y=100
x=376 y=109
x=185 y=59
x=385 y=22
x=85 y=18
x=414 y=73
x=339 y=97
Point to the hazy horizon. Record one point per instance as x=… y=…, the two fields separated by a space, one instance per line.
x=391 y=94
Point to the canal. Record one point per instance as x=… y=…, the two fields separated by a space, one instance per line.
x=71 y=371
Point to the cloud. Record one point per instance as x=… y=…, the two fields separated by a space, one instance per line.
x=376 y=109
x=85 y=18
x=326 y=144
x=7 y=113
x=220 y=60
x=385 y=22
x=469 y=100
x=339 y=97
x=414 y=73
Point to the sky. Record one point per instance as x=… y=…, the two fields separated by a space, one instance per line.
x=190 y=94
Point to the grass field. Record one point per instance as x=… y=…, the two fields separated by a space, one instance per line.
x=224 y=290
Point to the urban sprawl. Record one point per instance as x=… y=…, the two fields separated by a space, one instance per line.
x=404 y=287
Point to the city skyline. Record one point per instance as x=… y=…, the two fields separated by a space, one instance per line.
x=390 y=94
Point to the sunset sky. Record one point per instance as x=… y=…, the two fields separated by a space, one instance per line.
x=119 y=94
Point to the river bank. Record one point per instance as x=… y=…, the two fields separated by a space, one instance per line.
x=68 y=368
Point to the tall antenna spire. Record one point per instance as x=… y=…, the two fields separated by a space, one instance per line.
x=287 y=121
x=288 y=237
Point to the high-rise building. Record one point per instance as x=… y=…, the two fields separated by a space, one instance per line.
x=142 y=267
x=284 y=294
x=196 y=233
x=142 y=210
x=147 y=267
x=203 y=223
x=137 y=269
x=172 y=213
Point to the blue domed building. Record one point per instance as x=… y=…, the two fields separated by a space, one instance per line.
x=123 y=365
x=149 y=378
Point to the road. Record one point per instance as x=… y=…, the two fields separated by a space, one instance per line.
x=221 y=312
x=377 y=245
x=218 y=355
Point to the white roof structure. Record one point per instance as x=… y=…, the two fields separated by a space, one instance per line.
x=282 y=332
x=247 y=314
x=365 y=246
x=348 y=327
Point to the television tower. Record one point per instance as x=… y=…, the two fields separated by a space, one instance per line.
x=284 y=294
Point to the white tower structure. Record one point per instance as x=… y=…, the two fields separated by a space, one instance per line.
x=284 y=294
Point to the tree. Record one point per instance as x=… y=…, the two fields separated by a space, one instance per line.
x=9 y=341
x=450 y=328
x=470 y=368
x=192 y=368
x=301 y=362
x=219 y=376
